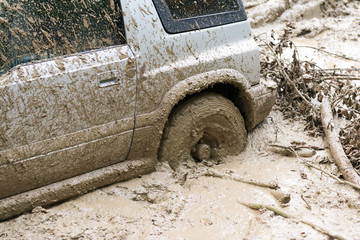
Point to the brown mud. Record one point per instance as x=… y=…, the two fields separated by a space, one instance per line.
x=186 y=204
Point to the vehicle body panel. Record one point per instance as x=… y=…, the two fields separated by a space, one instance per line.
x=62 y=99
x=75 y=123
x=175 y=57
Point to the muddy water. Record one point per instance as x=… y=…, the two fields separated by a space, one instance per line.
x=187 y=205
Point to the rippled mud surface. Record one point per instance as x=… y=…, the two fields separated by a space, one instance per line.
x=186 y=204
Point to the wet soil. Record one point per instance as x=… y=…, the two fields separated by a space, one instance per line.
x=188 y=205
x=326 y=32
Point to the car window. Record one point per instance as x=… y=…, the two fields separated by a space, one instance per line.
x=193 y=8
x=179 y=16
x=39 y=29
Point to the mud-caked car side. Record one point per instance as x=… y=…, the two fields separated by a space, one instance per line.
x=98 y=92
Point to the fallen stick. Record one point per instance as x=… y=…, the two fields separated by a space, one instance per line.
x=341 y=78
x=307 y=163
x=280 y=212
x=307 y=204
x=304 y=151
x=330 y=53
x=298 y=147
x=332 y=175
x=336 y=148
x=339 y=69
x=212 y=173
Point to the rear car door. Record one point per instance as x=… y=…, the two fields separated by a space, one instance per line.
x=67 y=90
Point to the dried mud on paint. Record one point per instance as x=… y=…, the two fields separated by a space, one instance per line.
x=189 y=205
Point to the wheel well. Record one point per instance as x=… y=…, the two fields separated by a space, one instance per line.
x=208 y=121
x=234 y=94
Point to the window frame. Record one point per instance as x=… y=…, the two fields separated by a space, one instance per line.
x=173 y=26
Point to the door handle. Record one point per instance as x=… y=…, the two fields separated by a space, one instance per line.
x=106 y=79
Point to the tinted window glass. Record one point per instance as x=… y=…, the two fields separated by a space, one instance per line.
x=193 y=8
x=38 y=29
x=179 y=16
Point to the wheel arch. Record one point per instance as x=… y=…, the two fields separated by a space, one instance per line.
x=228 y=82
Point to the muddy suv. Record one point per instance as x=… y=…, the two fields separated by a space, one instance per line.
x=94 y=92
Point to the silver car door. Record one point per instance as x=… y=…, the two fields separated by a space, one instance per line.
x=70 y=114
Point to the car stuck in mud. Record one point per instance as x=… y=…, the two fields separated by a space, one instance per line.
x=98 y=92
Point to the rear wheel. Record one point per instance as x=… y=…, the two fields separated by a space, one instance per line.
x=206 y=127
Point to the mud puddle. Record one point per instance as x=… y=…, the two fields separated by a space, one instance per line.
x=188 y=205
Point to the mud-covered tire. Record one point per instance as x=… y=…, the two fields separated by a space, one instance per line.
x=208 y=119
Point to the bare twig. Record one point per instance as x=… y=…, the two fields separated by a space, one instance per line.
x=280 y=212
x=332 y=175
x=319 y=69
x=212 y=173
x=337 y=101
x=307 y=204
x=341 y=78
x=330 y=53
x=309 y=164
x=295 y=147
x=340 y=69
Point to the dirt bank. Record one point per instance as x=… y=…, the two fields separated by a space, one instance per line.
x=188 y=205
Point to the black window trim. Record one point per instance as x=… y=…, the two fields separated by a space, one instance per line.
x=173 y=26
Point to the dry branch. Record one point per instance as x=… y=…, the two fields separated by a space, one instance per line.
x=307 y=163
x=287 y=215
x=356 y=186
x=336 y=148
x=296 y=147
x=286 y=76
x=212 y=173
x=330 y=53
x=304 y=151
x=307 y=204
